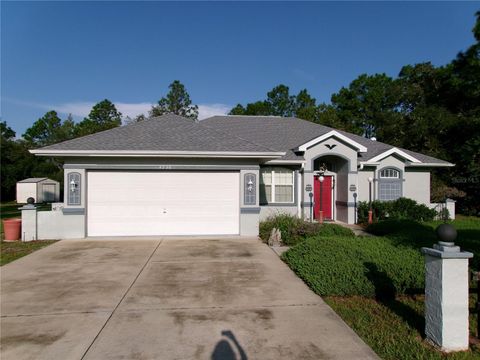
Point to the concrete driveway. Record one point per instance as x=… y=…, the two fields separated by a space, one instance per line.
x=165 y=299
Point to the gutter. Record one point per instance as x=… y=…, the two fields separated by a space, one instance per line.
x=362 y=164
x=429 y=164
x=149 y=153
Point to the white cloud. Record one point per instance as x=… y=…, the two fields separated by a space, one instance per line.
x=82 y=108
x=75 y=108
x=208 y=110
x=133 y=109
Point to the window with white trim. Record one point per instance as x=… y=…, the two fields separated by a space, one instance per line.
x=276 y=185
x=389 y=184
x=390 y=173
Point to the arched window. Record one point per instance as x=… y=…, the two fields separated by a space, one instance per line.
x=74 y=186
x=250 y=189
x=390 y=173
x=389 y=184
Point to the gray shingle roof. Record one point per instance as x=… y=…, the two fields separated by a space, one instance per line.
x=165 y=133
x=220 y=134
x=285 y=134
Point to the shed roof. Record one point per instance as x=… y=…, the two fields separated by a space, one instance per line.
x=34 y=180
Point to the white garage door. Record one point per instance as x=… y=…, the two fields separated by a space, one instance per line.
x=162 y=203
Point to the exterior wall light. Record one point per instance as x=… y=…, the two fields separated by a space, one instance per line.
x=250 y=185
x=73 y=185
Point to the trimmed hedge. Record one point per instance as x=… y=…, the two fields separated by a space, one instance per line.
x=295 y=230
x=367 y=266
x=400 y=209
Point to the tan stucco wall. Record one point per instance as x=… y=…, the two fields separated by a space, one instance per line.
x=267 y=211
x=417 y=185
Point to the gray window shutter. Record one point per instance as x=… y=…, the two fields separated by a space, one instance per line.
x=74 y=188
x=250 y=189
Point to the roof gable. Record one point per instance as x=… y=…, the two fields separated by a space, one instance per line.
x=394 y=151
x=335 y=134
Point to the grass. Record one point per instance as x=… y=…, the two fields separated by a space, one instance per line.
x=10 y=210
x=10 y=251
x=394 y=329
x=415 y=235
x=376 y=283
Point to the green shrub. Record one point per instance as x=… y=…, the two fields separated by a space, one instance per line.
x=368 y=266
x=400 y=209
x=327 y=230
x=294 y=230
x=379 y=208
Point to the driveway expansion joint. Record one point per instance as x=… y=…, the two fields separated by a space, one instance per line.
x=57 y=313
x=121 y=299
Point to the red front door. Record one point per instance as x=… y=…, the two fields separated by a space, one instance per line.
x=325 y=202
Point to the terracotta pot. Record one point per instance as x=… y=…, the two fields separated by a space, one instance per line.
x=12 y=229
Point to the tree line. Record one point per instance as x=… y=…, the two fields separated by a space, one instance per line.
x=430 y=109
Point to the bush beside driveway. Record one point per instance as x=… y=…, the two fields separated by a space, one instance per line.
x=376 y=283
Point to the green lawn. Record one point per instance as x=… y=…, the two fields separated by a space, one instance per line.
x=10 y=210
x=394 y=329
x=376 y=283
x=10 y=251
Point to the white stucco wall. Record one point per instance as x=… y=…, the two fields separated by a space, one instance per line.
x=446 y=302
x=26 y=190
x=52 y=225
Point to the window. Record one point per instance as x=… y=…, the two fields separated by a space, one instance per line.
x=250 y=188
x=276 y=185
x=390 y=174
x=389 y=184
x=73 y=197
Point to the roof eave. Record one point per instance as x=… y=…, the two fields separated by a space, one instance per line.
x=149 y=153
x=410 y=164
x=425 y=164
x=285 y=162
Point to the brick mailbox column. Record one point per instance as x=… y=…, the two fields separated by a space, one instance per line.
x=446 y=293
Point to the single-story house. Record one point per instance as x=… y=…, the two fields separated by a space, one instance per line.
x=171 y=176
x=41 y=189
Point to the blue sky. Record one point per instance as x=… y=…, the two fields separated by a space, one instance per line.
x=69 y=55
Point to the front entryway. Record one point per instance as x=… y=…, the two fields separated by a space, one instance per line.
x=323 y=197
x=145 y=203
